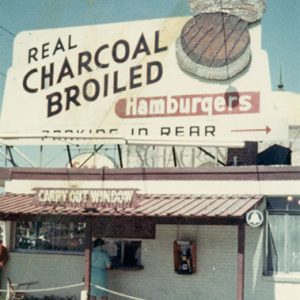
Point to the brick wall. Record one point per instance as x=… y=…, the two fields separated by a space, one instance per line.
x=243 y=156
x=215 y=278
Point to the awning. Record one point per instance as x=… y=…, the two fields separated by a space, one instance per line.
x=14 y=206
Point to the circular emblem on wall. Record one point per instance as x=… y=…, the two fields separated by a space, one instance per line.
x=92 y=161
x=254 y=218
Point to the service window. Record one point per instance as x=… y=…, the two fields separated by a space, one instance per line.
x=124 y=253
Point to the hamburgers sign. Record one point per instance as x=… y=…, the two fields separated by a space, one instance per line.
x=142 y=80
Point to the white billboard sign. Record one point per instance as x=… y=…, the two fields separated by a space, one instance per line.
x=127 y=81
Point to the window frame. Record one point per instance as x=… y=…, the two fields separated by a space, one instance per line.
x=16 y=249
x=286 y=211
x=123 y=241
x=122 y=253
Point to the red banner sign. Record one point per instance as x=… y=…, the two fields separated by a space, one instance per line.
x=189 y=105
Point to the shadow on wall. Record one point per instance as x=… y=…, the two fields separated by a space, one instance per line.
x=255 y=285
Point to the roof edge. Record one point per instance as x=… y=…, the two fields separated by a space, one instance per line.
x=207 y=173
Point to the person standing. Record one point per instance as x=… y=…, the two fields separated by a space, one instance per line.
x=3 y=257
x=3 y=254
x=100 y=262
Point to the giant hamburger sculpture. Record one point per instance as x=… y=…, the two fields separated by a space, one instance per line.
x=215 y=43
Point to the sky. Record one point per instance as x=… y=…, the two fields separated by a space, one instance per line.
x=280 y=25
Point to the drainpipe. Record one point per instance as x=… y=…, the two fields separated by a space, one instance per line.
x=241 y=262
x=85 y=294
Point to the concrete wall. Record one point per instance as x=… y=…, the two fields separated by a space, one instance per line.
x=50 y=270
x=215 y=278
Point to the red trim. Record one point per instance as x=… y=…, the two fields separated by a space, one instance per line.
x=88 y=257
x=148 y=205
x=210 y=173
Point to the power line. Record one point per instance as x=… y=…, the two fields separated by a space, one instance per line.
x=11 y=34
x=7 y=31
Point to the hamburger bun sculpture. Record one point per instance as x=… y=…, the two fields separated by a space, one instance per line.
x=215 y=43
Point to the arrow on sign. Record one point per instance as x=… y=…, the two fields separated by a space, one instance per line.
x=267 y=130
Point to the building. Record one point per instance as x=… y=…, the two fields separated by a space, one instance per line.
x=206 y=206
x=176 y=227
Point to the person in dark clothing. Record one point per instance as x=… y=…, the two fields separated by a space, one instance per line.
x=3 y=255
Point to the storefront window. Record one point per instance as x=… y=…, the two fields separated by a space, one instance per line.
x=1 y=231
x=50 y=236
x=283 y=239
x=124 y=253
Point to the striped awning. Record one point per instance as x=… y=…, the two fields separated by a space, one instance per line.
x=148 y=205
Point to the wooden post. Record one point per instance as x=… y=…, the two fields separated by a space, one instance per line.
x=241 y=262
x=88 y=257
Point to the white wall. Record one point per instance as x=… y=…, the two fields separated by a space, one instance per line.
x=265 y=187
x=215 y=278
x=50 y=270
